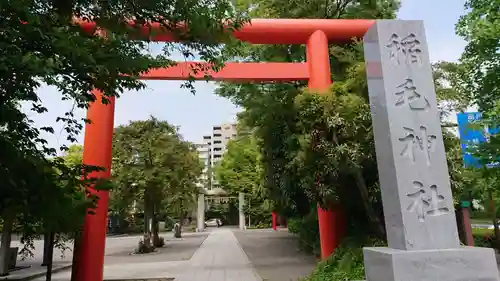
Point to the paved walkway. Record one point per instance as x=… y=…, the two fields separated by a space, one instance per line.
x=219 y=258
x=276 y=255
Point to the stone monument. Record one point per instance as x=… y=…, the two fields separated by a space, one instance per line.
x=422 y=235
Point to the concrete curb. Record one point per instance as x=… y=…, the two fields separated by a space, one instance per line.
x=37 y=275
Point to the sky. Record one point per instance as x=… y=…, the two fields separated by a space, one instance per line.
x=196 y=114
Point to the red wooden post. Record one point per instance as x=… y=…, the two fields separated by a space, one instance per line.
x=469 y=238
x=274 y=220
x=96 y=152
x=319 y=79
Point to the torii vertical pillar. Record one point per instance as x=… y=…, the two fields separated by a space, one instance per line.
x=200 y=219
x=241 y=204
x=96 y=152
x=318 y=60
x=274 y=224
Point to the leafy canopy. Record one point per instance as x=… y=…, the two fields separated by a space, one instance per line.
x=480 y=28
x=41 y=44
x=240 y=169
x=151 y=162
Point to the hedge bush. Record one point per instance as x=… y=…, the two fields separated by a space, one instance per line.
x=345 y=264
x=307 y=230
x=483 y=237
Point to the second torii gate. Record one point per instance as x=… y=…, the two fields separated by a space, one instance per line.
x=200 y=211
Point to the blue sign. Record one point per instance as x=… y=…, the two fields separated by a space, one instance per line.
x=473 y=136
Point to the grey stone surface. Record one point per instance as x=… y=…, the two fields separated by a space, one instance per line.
x=200 y=213
x=461 y=264
x=416 y=193
x=418 y=204
x=220 y=258
x=275 y=254
x=241 y=213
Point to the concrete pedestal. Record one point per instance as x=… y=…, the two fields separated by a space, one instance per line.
x=460 y=264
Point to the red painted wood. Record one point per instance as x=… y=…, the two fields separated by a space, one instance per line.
x=274 y=221
x=269 y=31
x=233 y=71
x=96 y=152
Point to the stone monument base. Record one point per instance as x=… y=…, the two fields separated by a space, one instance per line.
x=461 y=264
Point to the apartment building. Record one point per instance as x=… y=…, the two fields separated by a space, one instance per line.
x=211 y=151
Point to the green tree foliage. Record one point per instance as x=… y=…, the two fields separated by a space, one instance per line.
x=451 y=90
x=58 y=206
x=318 y=147
x=486 y=184
x=294 y=154
x=453 y=97
x=346 y=263
x=480 y=28
x=41 y=44
x=74 y=155
x=241 y=170
x=336 y=150
x=472 y=81
x=151 y=163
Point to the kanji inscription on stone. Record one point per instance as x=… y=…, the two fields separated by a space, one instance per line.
x=426 y=201
x=419 y=139
x=407 y=95
x=411 y=160
x=419 y=213
x=404 y=50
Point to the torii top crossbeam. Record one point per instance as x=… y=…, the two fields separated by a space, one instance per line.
x=274 y=31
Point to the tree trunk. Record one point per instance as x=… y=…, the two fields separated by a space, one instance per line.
x=8 y=223
x=155 y=228
x=46 y=249
x=50 y=254
x=76 y=252
x=147 y=236
x=147 y=217
x=147 y=230
x=370 y=212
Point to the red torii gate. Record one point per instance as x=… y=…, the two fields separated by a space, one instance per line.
x=315 y=33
